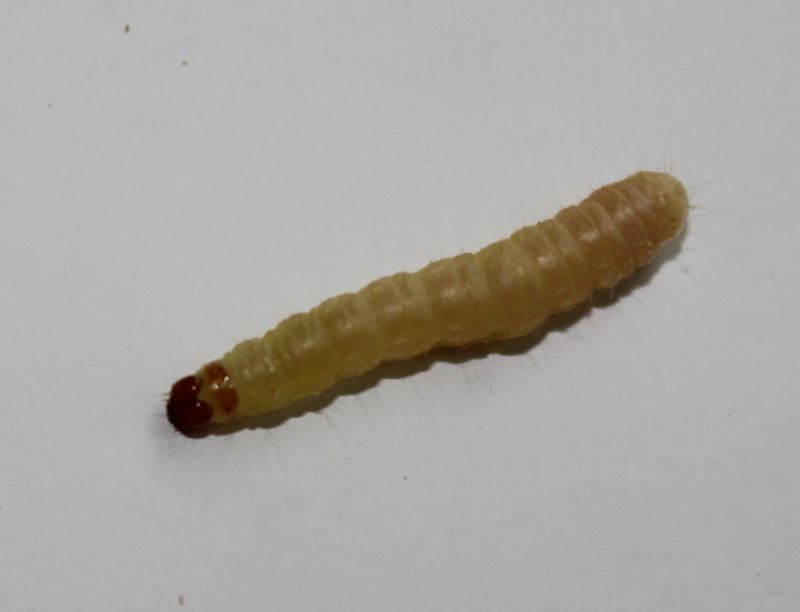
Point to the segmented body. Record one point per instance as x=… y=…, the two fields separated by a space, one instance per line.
x=505 y=290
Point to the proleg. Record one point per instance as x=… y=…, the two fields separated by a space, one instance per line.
x=506 y=289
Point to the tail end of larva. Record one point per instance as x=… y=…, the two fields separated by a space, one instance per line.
x=203 y=399
x=669 y=199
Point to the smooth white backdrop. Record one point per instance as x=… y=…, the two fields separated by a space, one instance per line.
x=170 y=190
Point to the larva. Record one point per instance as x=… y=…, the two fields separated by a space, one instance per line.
x=504 y=290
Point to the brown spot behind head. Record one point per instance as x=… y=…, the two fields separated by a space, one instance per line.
x=218 y=389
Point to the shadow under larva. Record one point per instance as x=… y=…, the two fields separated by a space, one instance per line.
x=502 y=299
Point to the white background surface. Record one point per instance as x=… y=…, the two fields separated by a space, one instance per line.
x=172 y=190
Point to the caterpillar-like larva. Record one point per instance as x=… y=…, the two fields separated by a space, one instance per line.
x=504 y=290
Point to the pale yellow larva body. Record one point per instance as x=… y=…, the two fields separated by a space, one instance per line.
x=505 y=290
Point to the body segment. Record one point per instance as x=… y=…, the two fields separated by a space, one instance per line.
x=506 y=289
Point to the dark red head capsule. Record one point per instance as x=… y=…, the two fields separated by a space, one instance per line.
x=184 y=410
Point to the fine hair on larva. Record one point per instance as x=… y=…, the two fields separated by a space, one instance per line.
x=505 y=290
